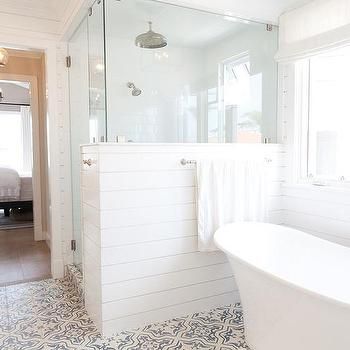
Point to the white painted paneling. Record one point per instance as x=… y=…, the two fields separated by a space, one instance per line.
x=148 y=198
x=144 y=303
x=160 y=266
x=140 y=213
x=323 y=211
x=146 y=180
x=153 y=232
x=167 y=313
x=154 y=284
x=147 y=215
x=148 y=250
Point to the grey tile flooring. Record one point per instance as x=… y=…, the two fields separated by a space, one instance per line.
x=50 y=315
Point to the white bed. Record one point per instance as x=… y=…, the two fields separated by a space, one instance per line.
x=26 y=192
x=16 y=190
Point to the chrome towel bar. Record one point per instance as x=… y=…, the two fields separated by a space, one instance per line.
x=184 y=161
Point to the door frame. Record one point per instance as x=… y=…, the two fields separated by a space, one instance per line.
x=36 y=174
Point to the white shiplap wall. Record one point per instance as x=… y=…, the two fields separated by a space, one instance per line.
x=321 y=211
x=141 y=263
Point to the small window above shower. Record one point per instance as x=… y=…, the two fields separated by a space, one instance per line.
x=179 y=75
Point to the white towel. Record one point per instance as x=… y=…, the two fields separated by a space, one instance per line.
x=228 y=191
x=10 y=184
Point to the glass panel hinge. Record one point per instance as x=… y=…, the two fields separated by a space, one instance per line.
x=68 y=61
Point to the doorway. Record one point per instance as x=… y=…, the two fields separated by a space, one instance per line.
x=24 y=252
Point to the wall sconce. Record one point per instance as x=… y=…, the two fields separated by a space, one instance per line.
x=4 y=57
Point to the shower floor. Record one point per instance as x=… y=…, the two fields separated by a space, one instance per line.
x=50 y=315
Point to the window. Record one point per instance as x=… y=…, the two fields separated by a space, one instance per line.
x=16 y=140
x=326 y=116
x=242 y=100
x=213 y=116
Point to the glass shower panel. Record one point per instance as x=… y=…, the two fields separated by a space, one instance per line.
x=212 y=79
x=97 y=86
x=79 y=121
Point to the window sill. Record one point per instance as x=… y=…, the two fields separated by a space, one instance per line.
x=341 y=188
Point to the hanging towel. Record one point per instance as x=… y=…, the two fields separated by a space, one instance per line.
x=10 y=184
x=228 y=191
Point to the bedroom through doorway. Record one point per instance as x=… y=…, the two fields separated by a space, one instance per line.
x=24 y=247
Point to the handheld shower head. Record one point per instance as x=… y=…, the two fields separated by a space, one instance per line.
x=135 y=91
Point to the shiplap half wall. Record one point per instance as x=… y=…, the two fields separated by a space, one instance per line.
x=321 y=211
x=141 y=263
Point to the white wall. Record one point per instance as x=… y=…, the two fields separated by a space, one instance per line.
x=175 y=80
x=267 y=10
x=261 y=45
x=141 y=263
x=322 y=211
x=168 y=79
x=319 y=25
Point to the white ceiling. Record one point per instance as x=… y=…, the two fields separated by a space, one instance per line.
x=51 y=16
x=127 y=19
x=261 y=10
x=47 y=17
x=45 y=9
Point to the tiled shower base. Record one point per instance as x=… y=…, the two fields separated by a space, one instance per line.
x=50 y=315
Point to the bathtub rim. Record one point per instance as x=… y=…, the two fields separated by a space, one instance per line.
x=230 y=255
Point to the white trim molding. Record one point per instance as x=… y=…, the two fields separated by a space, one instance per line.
x=59 y=224
x=36 y=174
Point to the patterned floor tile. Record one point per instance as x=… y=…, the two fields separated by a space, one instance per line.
x=50 y=315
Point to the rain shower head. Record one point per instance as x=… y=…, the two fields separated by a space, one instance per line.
x=135 y=91
x=151 y=39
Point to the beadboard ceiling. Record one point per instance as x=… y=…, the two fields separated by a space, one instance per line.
x=53 y=10
x=53 y=17
x=48 y=17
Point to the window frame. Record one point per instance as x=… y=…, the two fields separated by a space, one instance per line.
x=302 y=80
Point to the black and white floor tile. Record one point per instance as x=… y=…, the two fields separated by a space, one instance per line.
x=50 y=315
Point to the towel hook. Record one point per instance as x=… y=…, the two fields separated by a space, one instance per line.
x=87 y=162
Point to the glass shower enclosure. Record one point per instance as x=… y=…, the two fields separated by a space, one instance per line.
x=146 y=71
x=87 y=102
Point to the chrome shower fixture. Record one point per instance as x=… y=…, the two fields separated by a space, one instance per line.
x=135 y=91
x=151 y=39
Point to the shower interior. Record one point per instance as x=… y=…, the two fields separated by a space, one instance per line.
x=195 y=77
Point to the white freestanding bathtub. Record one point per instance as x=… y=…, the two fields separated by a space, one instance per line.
x=294 y=287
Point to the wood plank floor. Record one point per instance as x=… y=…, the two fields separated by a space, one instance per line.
x=21 y=258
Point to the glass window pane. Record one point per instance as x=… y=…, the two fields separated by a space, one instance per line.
x=11 y=142
x=97 y=73
x=329 y=115
x=168 y=94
